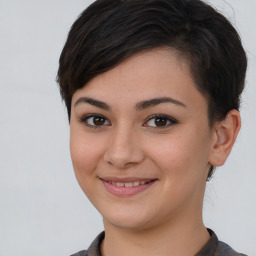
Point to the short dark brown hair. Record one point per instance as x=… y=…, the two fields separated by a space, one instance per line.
x=110 y=31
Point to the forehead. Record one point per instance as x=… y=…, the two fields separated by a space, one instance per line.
x=154 y=73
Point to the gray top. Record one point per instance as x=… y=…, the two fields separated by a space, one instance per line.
x=214 y=247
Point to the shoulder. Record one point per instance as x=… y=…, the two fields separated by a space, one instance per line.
x=81 y=253
x=224 y=249
x=94 y=248
x=214 y=247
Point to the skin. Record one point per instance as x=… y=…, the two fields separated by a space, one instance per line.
x=129 y=141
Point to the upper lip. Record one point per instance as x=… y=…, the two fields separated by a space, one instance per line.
x=125 y=179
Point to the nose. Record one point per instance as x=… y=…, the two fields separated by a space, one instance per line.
x=124 y=149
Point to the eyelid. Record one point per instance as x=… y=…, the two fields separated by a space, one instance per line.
x=170 y=119
x=84 y=119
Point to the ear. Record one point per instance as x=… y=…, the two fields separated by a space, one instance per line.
x=224 y=137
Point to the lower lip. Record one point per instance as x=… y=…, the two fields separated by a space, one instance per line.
x=126 y=191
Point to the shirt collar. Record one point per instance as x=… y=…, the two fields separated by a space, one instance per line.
x=208 y=249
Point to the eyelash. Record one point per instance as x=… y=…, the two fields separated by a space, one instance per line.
x=85 y=119
x=171 y=121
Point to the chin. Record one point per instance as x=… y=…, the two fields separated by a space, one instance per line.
x=122 y=220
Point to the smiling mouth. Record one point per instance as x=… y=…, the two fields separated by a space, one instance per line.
x=126 y=186
x=129 y=184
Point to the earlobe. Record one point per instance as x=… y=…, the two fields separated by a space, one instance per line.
x=224 y=137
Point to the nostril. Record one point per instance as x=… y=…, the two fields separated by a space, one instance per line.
x=122 y=161
x=123 y=150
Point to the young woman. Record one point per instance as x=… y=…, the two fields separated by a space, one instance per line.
x=152 y=90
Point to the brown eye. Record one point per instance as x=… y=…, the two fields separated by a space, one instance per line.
x=95 y=121
x=98 y=120
x=160 y=121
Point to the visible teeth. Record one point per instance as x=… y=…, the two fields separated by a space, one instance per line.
x=119 y=184
x=129 y=184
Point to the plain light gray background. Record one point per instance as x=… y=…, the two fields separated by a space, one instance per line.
x=42 y=209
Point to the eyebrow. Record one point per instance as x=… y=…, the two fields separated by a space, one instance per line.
x=156 y=101
x=139 y=106
x=93 y=102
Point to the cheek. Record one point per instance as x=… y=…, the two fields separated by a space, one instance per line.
x=85 y=153
x=182 y=153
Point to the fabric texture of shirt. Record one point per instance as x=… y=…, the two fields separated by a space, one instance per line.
x=213 y=247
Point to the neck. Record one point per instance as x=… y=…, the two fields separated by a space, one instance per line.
x=168 y=239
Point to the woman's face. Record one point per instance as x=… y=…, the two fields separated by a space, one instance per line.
x=140 y=141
